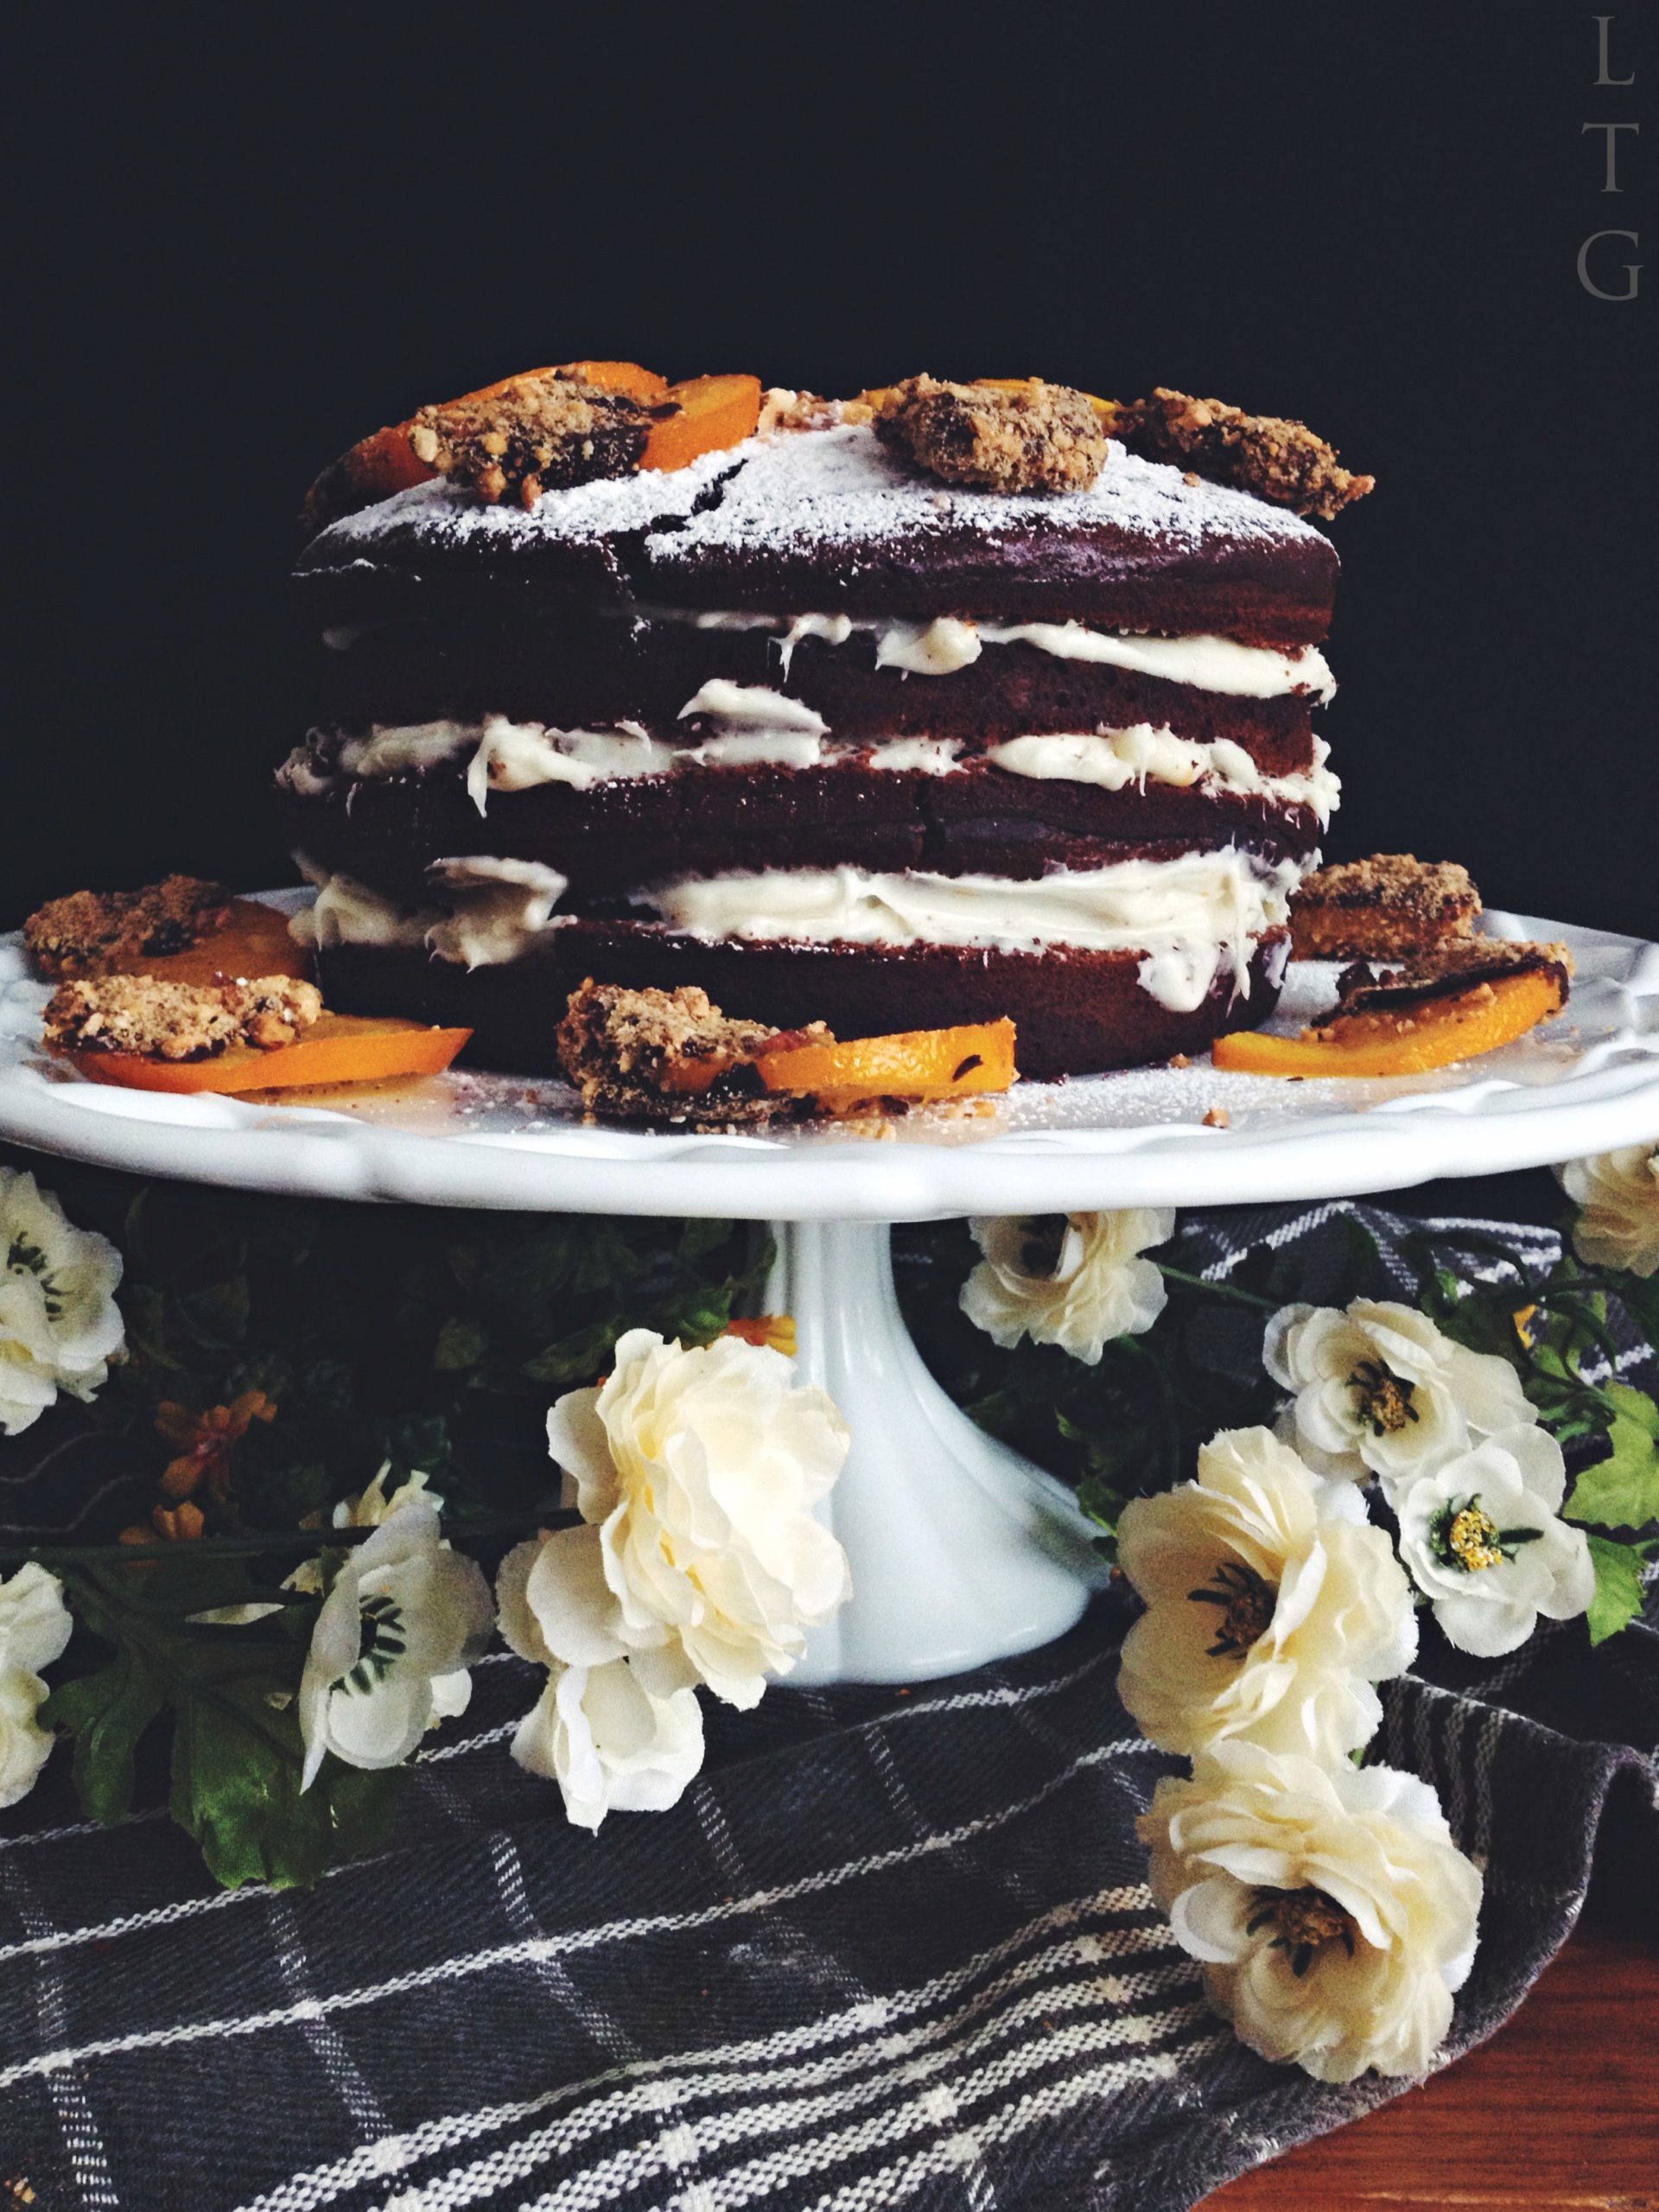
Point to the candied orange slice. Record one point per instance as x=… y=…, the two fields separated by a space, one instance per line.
x=714 y=412
x=616 y=376
x=337 y=1048
x=378 y=466
x=1435 y=1034
x=255 y=941
x=919 y=1063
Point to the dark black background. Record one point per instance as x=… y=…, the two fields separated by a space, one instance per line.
x=256 y=234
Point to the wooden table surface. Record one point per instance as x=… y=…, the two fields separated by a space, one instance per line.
x=1559 y=2109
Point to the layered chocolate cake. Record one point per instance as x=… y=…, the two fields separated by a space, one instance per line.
x=815 y=725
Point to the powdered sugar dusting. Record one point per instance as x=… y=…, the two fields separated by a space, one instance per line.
x=445 y=513
x=825 y=487
x=812 y=488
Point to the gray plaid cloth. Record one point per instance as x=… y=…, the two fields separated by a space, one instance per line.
x=894 y=1948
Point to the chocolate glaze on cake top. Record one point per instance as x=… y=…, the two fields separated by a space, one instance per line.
x=831 y=520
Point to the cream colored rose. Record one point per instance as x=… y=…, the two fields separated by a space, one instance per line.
x=696 y=1473
x=1379 y=1390
x=1333 y=1911
x=1618 y=1197
x=1273 y=1605
x=622 y=1734
x=1482 y=1539
x=1074 y=1280
x=60 y=1325
x=35 y=1627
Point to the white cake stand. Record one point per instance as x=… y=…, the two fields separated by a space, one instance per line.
x=961 y=1551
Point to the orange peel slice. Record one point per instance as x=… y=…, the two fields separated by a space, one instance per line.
x=338 y=1048
x=913 y=1063
x=1439 y=1032
x=714 y=413
x=611 y=376
x=255 y=941
x=385 y=463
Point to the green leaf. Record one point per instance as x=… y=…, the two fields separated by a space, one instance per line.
x=573 y=1359
x=1621 y=1491
x=107 y=1713
x=1635 y=1406
x=1618 y=1587
x=461 y=1344
x=237 y=1764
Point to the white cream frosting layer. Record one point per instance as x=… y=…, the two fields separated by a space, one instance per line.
x=940 y=647
x=1140 y=755
x=1191 y=918
x=510 y=756
x=483 y=911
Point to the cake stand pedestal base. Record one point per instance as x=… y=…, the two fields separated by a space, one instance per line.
x=961 y=1551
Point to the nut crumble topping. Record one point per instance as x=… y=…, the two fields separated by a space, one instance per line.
x=782 y=410
x=1271 y=455
x=1033 y=437
x=1380 y=908
x=1449 y=971
x=672 y=1056
x=540 y=433
x=156 y=1019
x=84 y=933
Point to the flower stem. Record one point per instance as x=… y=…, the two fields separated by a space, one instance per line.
x=1226 y=1290
x=272 y=1540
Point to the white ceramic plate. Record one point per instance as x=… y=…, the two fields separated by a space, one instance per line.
x=1583 y=1084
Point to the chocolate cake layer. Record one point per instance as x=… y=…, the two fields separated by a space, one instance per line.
x=1076 y=1013
x=385 y=831
x=831 y=520
x=572 y=671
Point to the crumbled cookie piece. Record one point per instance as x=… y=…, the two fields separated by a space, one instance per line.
x=782 y=410
x=1028 y=437
x=1276 y=458
x=671 y=1057
x=1448 y=971
x=87 y=932
x=1380 y=908
x=156 y=1019
x=538 y=434
x=1217 y=1118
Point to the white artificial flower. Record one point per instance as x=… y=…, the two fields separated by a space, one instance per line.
x=395 y=1634
x=624 y=1735
x=1379 y=1390
x=1482 y=1539
x=370 y=1509
x=1618 y=1197
x=1074 y=1280
x=1273 y=1605
x=695 y=1472
x=1333 y=1911
x=60 y=1325
x=35 y=1626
